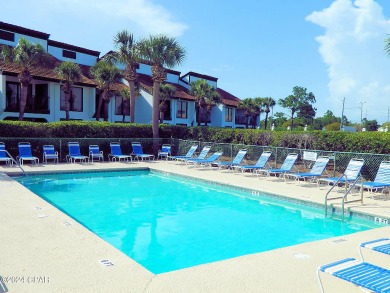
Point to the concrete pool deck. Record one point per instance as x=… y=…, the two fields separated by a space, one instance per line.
x=45 y=250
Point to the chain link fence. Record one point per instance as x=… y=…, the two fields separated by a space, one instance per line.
x=336 y=166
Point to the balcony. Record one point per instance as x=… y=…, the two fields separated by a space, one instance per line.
x=35 y=104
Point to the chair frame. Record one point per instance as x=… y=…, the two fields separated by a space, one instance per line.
x=137 y=146
x=25 y=153
x=235 y=162
x=311 y=175
x=113 y=157
x=264 y=158
x=188 y=155
x=343 y=179
x=281 y=170
x=95 y=152
x=74 y=157
x=49 y=153
x=4 y=158
x=165 y=152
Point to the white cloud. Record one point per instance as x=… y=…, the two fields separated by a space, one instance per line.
x=353 y=49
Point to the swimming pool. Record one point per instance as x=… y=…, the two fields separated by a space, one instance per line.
x=167 y=222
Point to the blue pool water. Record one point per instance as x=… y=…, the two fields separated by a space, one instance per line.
x=167 y=222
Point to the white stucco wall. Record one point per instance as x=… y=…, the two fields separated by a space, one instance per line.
x=143 y=108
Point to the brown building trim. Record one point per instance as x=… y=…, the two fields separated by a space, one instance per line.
x=23 y=31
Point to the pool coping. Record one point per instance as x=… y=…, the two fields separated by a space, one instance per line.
x=27 y=252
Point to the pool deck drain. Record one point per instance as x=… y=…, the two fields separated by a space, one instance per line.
x=68 y=257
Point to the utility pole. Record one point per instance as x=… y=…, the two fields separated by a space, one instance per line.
x=361 y=115
x=342 y=115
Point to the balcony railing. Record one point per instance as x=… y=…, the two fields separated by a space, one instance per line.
x=34 y=104
x=240 y=120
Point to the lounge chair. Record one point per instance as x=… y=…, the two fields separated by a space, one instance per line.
x=75 y=154
x=236 y=161
x=138 y=152
x=165 y=152
x=116 y=153
x=202 y=155
x=189 y=154
x=209 y=161
x=95 y=153
x=382 y=178
x=359 y=273
x=350 y=175
x=287 y=165
x=260 y=164
x=49 y=153
x=316 y=171
x=4 y=156
x=25 y=153
x=381 y=245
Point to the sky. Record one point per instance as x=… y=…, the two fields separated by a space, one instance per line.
x=256 y=48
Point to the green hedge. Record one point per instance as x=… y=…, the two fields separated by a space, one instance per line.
x=368 y=142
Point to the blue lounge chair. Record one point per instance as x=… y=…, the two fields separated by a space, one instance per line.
x=25 y=153
x=49 y=153
x=74 y=153
x=316 y=171
x=138 y=152
x=359 y=273
x=165 y=152
x=4 y=156
x=236 y=161
x=95 y=153
x=116 y=153
x=260 y=164
x=381 y=245
x=202 y=155
x=351 y=174
x=189 y=154
x=209 y=161
x=287 y=165
x=382 y=178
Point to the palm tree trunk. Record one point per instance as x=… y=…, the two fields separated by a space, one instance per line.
x=106 y=110
x=155 y=115
x=67 y=105
x=132 y=100
x=99 y=109
x=24 y=79
x=266 y=120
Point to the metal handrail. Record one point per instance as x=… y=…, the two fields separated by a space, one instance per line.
x=348 y=191
x=344 y=197
x=13 y=160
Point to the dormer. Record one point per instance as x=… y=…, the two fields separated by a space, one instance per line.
x=67 y=52
x=193 y=76
x=10 y=35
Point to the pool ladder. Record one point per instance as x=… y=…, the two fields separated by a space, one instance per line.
x=14 y=161
x=344 y=197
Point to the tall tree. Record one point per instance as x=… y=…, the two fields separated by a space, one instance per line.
x=162 y=51
x=125 y=94
x=296 y=101
x=69 y=73
x=127 y=53
x=27 y=55
x=268 y=104
x=166 y=92
x=206 y=97
x=105 y=74
x=247 y=106
x=257 y=110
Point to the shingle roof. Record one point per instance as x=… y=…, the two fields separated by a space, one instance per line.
x=227 y=98
x=41 y=73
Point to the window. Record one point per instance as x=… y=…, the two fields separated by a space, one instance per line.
x=182 y=109
x=12 y=96
x=167 y=113
x=69 y=54
x=75 y=101
x=229 y=114
x=7 y=36
x=122 y=106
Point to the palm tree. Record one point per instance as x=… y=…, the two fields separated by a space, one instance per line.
x=256 y=110
x=247 y=105
x=206 y=97
x=166 y=91
x=127 y=53
x=161 y=51
x=105 y=74
x=69 y=73
x=27 y=55
x=268 y=103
